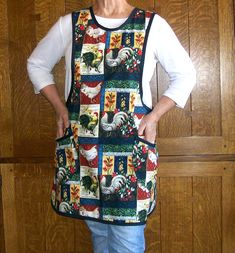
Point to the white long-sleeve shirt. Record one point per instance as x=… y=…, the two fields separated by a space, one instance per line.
x=162 y=46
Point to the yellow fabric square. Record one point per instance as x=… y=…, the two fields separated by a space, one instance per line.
x=139 y=39
x=132 y=101
x=75 y=193
x=130 y=166
x=110 y=101
x=108 y=165
x=115 y=40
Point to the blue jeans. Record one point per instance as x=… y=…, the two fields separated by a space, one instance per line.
x=107 y=238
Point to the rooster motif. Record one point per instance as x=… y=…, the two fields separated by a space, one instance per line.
x=90 y=154
x=118 y=120
x=64 y=207
x=116 y=183
x=91 y=92
x=123 y=55
x=60 y=175
x=93 y=59
x=90 y=184
x=89 y=121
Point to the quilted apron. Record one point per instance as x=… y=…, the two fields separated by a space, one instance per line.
x=105 y=171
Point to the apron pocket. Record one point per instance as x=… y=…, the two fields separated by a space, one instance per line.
x=153 y=145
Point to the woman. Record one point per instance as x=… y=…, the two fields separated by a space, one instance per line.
x=106 y=158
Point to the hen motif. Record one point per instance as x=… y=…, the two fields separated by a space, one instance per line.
x=90 y=154
x=91 y=92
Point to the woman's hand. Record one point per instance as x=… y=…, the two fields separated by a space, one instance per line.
x=148 y=127
x=62 y=119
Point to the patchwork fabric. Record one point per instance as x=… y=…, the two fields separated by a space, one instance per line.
x=104 y=171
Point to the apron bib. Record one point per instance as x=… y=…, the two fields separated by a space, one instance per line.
x=104 y=171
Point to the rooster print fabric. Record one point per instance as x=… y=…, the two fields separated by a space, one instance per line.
x=105 y=171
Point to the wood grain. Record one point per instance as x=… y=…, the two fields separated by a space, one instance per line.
x=176 y=215
x=10 y=221
x=25 y=105
x=147 y=4
x=205 y=51
x=6 y=119
x=153 y=227
x=207 y=214
x=2 y=239
x=227 y=75
x=73 y=5
x=228 y=209
x=42 y=230
x=191 y=145
x=178 y=121
x=196 y=190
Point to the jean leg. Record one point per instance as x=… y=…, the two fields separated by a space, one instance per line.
x=99 y=232
x=126 y=239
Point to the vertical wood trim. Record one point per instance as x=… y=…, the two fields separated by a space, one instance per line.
x=226 y=29
x=2 y=239
x=9 y=207
x=228 y=205
x=6 y=129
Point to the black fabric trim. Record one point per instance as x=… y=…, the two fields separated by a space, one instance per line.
x=112 y=29
x=72 y=59
x=80 y=217
x=146 y=142
x=142 y=62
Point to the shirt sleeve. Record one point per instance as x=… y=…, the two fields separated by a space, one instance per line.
x=175 y=60
x=46 y=54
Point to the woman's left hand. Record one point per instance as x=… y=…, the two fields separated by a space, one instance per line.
x=148 y=127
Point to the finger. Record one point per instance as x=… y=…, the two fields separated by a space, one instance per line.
x=150 y=135
x=66 y=121
x=60 y=131
x=141 y=128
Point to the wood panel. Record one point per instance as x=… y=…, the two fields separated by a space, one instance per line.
x=204 y=51
x=25 y=105
x=207 y=218
x=178 y=121
x=176 y=215
x=6 y=119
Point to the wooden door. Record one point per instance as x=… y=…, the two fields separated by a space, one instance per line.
x=196 y=183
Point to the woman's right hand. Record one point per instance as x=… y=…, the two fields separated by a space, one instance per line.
x=62 y=120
